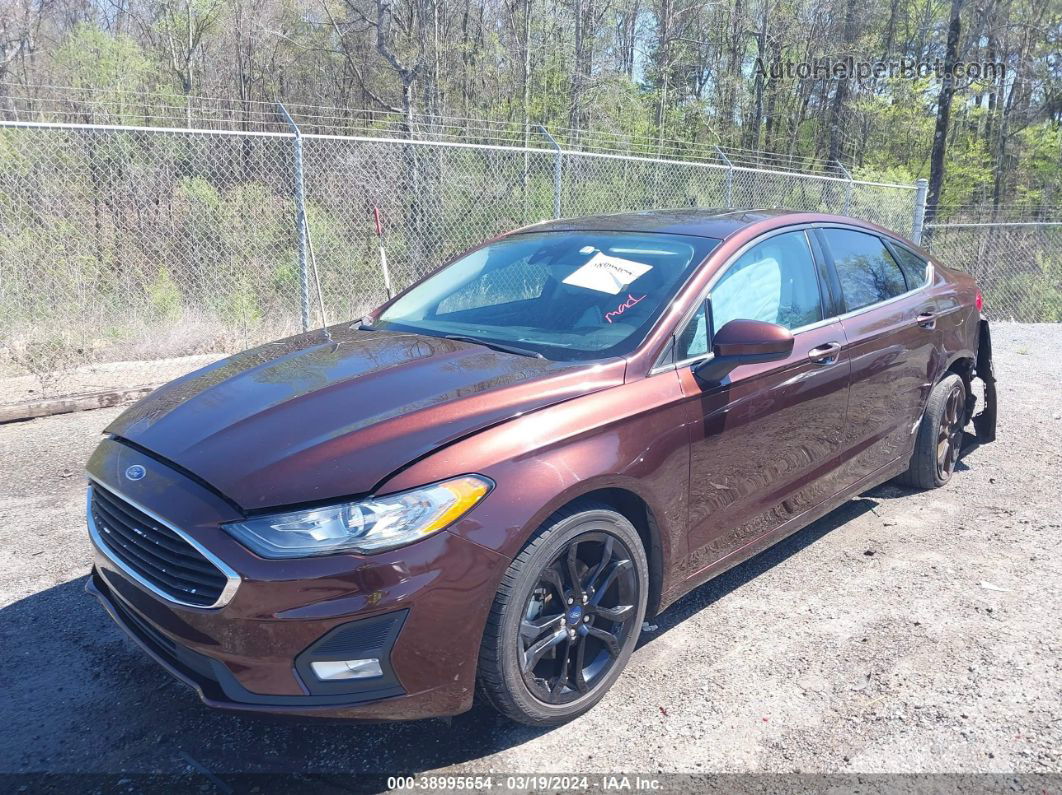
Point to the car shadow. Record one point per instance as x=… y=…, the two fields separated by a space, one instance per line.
x=83 y=698
x=891 y=489
x=718 y=587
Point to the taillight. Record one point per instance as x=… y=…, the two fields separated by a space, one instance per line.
x=979 y=301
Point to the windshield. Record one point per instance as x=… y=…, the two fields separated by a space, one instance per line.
x=564 y=295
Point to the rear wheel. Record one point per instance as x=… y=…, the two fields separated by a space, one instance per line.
x=940 y=433
x=566 y=617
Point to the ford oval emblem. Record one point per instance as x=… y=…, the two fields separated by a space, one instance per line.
x=135 y=472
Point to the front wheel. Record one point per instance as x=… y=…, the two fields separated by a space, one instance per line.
x=939 y=440
x=566 y=617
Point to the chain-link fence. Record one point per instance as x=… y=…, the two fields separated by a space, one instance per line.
x=131 y=255
x=1017 y=264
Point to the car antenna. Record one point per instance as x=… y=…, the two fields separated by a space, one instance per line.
x=300 y=208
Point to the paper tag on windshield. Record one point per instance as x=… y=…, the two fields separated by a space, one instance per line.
x=607 y=274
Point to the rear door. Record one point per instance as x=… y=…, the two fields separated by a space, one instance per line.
x=890 y=327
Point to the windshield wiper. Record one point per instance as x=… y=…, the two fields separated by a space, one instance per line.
x=498 y=346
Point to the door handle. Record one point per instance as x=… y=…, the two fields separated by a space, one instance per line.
x=825 y=354
x=927 y=320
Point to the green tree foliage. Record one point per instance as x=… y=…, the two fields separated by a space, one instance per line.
x=113 y=67
x=672 y=77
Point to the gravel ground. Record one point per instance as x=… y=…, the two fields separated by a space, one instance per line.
x=903 y=632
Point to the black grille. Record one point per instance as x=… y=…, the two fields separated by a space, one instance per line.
x=155 y=552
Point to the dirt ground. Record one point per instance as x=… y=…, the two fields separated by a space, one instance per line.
x=903 y=632
x=93 y=378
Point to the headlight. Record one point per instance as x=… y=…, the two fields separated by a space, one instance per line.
x=371 y=525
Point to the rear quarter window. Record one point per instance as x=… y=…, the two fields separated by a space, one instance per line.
x=915 y=269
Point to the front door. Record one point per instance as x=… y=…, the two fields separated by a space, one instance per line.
x=765 y=444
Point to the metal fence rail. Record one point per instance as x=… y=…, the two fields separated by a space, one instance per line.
x=1017 y=264
x=124 y=247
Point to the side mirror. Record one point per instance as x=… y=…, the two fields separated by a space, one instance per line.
x=744 y=342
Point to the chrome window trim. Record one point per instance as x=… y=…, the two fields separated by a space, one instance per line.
x=704 y=358
x=233 y=579
x=706 y=295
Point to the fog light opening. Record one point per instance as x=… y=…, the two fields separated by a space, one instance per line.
x=333 y=670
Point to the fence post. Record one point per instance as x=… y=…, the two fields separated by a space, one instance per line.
x=729 y=178
x=921 y=189
x=556 y=170
x=300 y=221
x=847 y=189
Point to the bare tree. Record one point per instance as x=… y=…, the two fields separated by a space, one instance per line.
x=940 y=133
x=177 y=28
x=19 y=22
x=840 y=94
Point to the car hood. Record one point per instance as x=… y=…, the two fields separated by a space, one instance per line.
x=313 y=417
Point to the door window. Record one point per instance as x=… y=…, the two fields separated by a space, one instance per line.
x=867 y=271
x=774 y=281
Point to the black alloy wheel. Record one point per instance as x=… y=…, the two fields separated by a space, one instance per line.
x=938 y=443
x=578 y=618
x=566 y=617
x=949 y=431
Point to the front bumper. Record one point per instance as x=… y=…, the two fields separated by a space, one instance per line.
x=245 y=655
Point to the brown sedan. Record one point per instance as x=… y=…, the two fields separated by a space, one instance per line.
x=493 y=479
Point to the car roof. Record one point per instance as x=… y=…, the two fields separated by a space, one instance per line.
x=700 y=222
x=717 y=223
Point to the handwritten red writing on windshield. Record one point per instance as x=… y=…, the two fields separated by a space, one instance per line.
x=619 y=310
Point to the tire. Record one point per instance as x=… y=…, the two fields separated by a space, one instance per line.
x=531 y=668
x=939 y=440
